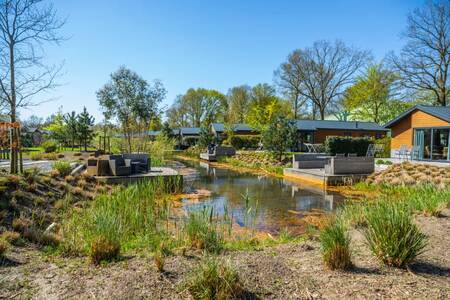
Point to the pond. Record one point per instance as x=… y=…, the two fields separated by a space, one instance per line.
x=279 y=203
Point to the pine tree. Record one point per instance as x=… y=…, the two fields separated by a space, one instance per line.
x=84 y=128
x=72 y=127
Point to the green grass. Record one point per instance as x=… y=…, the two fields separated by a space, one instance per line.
x=63 y=167
x=214 y=279
x=204 y=231
x=335 y=246
x=133 y=217
x=391 y=234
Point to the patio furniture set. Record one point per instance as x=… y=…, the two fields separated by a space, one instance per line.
x=119 y=165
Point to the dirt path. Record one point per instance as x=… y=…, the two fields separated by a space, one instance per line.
x=283 y=272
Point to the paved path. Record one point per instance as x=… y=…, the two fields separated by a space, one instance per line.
x=44 y=165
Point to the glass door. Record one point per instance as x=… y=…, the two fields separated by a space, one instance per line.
x=440 y=145
x=418 y=143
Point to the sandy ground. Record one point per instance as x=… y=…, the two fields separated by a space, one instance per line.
x=282 y=272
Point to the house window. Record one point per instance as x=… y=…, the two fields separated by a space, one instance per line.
x=378 y=135
x=347 y=134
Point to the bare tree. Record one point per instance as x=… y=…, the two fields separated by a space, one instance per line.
x=325 y=69
x=289 y=79
x=25 y=25
x=424 y=61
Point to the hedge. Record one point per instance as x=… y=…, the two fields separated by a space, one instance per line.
x=386 y=142
x=336 y=144
x=243 y=141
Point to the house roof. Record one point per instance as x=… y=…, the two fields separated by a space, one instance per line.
x=220 y=127
x=190 y=130
x=342 y=125
x=153 y=132
x=441 y=112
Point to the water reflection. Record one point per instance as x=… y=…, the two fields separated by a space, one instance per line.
x=280 y=203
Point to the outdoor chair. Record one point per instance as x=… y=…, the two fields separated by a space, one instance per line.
x=415 y=152
x=340 y=155
x=119 y=166
x=352 y=155
x=403 y=152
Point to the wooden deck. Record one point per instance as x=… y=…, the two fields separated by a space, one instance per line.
x=318 y=176
x=155 y=172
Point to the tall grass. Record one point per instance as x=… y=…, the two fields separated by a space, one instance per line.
x=204 y=230
x=136 y=215
x=391 y=234
x=335 y=246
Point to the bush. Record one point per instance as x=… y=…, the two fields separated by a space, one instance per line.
x=391 y=234
x=63 y=167
x=214 y=279
x=203 y=231
x=386 y=142
x=49 y=146
x=11 y=237
x=104 y=249
x=243 y=141
x=335 y=245
x=337 y=144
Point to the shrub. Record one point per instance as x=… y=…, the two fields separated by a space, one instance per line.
x=391 y=234
x=203 y=231
x=21 y=224
x=386 y=142
x=214 y=279
x=104 y=249
x=11 y=237
x=63 y=167
x=335 y=245
x=3 y=247
x=337 y=144
x=243 y=141
x=49 y=146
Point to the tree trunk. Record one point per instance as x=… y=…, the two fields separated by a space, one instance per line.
x=13 y=138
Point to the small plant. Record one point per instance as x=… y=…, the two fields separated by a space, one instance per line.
x=69 y=179
x=214 y=279
x=203 y=231
x=159 y=258
x=11 y=237
x=49 y=146
x=335 y=245
x=104 y=249
x=77 y=191
x=391 y=234
x=54 y=173
x=4 y=245
x=21 y=224
x=63 y=167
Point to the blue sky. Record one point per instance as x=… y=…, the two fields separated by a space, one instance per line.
x=211 y=44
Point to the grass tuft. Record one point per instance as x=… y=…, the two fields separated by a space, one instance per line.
x=335 y=245
x=391 y=234
x=214 y=279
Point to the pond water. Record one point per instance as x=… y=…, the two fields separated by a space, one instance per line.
x=280 y=204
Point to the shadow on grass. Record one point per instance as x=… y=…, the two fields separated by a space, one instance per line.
x=426 y=268
x=7 y=262
x=363 y=270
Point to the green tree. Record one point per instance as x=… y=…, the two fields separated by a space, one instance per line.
x=204 y=106
x=167 y=131
x=280 y=136
x=71 y=123
x=369 y=98
x=85 y=131
x=58 y=128
x=265 y=106
x=238 y=99
x=205 y=136
x=131 y=100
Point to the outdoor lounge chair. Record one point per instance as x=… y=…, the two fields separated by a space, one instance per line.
x=119 y=166
x=403 y=152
